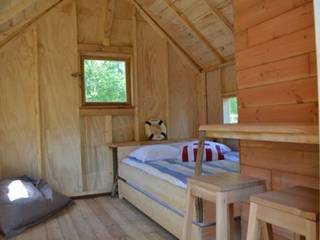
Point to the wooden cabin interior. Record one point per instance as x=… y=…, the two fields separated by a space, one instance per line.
x=85 y=86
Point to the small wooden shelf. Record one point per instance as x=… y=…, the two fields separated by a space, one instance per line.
x=293 y=133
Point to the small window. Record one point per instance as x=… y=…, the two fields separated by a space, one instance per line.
x=105 y=81
x=230 y=110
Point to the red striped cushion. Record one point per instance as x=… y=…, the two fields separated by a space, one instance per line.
x=212 y=152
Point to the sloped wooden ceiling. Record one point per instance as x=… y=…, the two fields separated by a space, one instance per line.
x=15 y=14
x=202 y=28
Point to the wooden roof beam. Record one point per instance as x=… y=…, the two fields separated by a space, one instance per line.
x=13 y=10
x=109 y=21
x=191 y=26
x=7 y=35
x=219 y=15
x=164 y=34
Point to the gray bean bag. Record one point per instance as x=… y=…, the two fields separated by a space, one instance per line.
x=25 y=202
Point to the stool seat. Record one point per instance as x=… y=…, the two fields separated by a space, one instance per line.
x=224 y=182
x=224 y=190
x=295 y=209
x=299 y=201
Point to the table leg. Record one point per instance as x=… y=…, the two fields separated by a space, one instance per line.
x=254 y=224
x=223 y=230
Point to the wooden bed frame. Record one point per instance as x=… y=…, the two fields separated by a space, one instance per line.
x=297 y=133
x=165 y=192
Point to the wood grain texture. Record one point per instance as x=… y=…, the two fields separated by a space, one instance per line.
x=287 y=46
x=122 y=128
x=152 y=80
x=97 y=172
x=299 y=67
x=275 y=51
x=99 y=218
x=214 y=97
x=19 y=108
x=183 y=103
x=60 y=98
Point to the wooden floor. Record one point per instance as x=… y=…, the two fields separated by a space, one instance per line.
x=99 y=218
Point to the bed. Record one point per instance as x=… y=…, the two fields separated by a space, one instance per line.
x=158 y=188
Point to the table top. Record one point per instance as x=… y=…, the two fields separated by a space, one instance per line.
x=224 y=182
x=299 y=201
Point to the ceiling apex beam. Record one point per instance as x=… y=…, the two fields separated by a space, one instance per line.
x=219 y=15
x=148 y=18
x=195 y=31
x=109 y=20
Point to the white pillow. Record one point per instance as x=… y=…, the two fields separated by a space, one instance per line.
x=155 y=152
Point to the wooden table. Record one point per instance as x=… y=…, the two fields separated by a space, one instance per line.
x=224 y=189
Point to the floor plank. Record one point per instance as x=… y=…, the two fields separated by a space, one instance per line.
x=100 y=218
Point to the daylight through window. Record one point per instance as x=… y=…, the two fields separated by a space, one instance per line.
x=230 y=110
x=105 y=81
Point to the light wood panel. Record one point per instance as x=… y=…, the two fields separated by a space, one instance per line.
x=214 y=97
x=25 y=18
x=13 y=9
x=317 y=30
x=290 y=45
x=19 y=111
x=183 y=103
x=60 y=98
x=275 y=55
x=152 y=81
x=97 y=24
x=97 y=172
x=91 y=21
x=122 y=128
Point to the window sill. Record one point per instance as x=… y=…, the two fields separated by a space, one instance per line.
x=90 y=111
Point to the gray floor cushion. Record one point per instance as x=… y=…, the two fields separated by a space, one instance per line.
x=25 y=202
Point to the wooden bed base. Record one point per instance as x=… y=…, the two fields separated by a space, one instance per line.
x=166 y=192
x=168 y=219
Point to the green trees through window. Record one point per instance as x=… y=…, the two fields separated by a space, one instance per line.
x=105 y=81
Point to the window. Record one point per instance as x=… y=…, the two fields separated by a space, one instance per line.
x=105 y=81
x=230 y=110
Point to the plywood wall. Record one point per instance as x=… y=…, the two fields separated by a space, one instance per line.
x=276 y=75
x=152 y=72
x=59 y=98
x=19 y=109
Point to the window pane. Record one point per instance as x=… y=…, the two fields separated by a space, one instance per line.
x=105 y=81
x=230 y=110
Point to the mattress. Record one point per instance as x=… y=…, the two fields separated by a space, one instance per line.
x=177 y=172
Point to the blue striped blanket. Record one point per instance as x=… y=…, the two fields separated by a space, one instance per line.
x=181 y=171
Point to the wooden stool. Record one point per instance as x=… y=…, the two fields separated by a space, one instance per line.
x=295 y=209
x=224 y=189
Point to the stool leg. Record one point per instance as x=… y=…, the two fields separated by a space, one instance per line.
x=231 y=221
x=312 y=232
x=253 y=225
x=187 y=225
x=222 y=218
x=266 y=231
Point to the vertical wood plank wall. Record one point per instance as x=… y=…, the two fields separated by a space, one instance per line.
x=44 y=133
x=59 y=98
x=276 y=76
